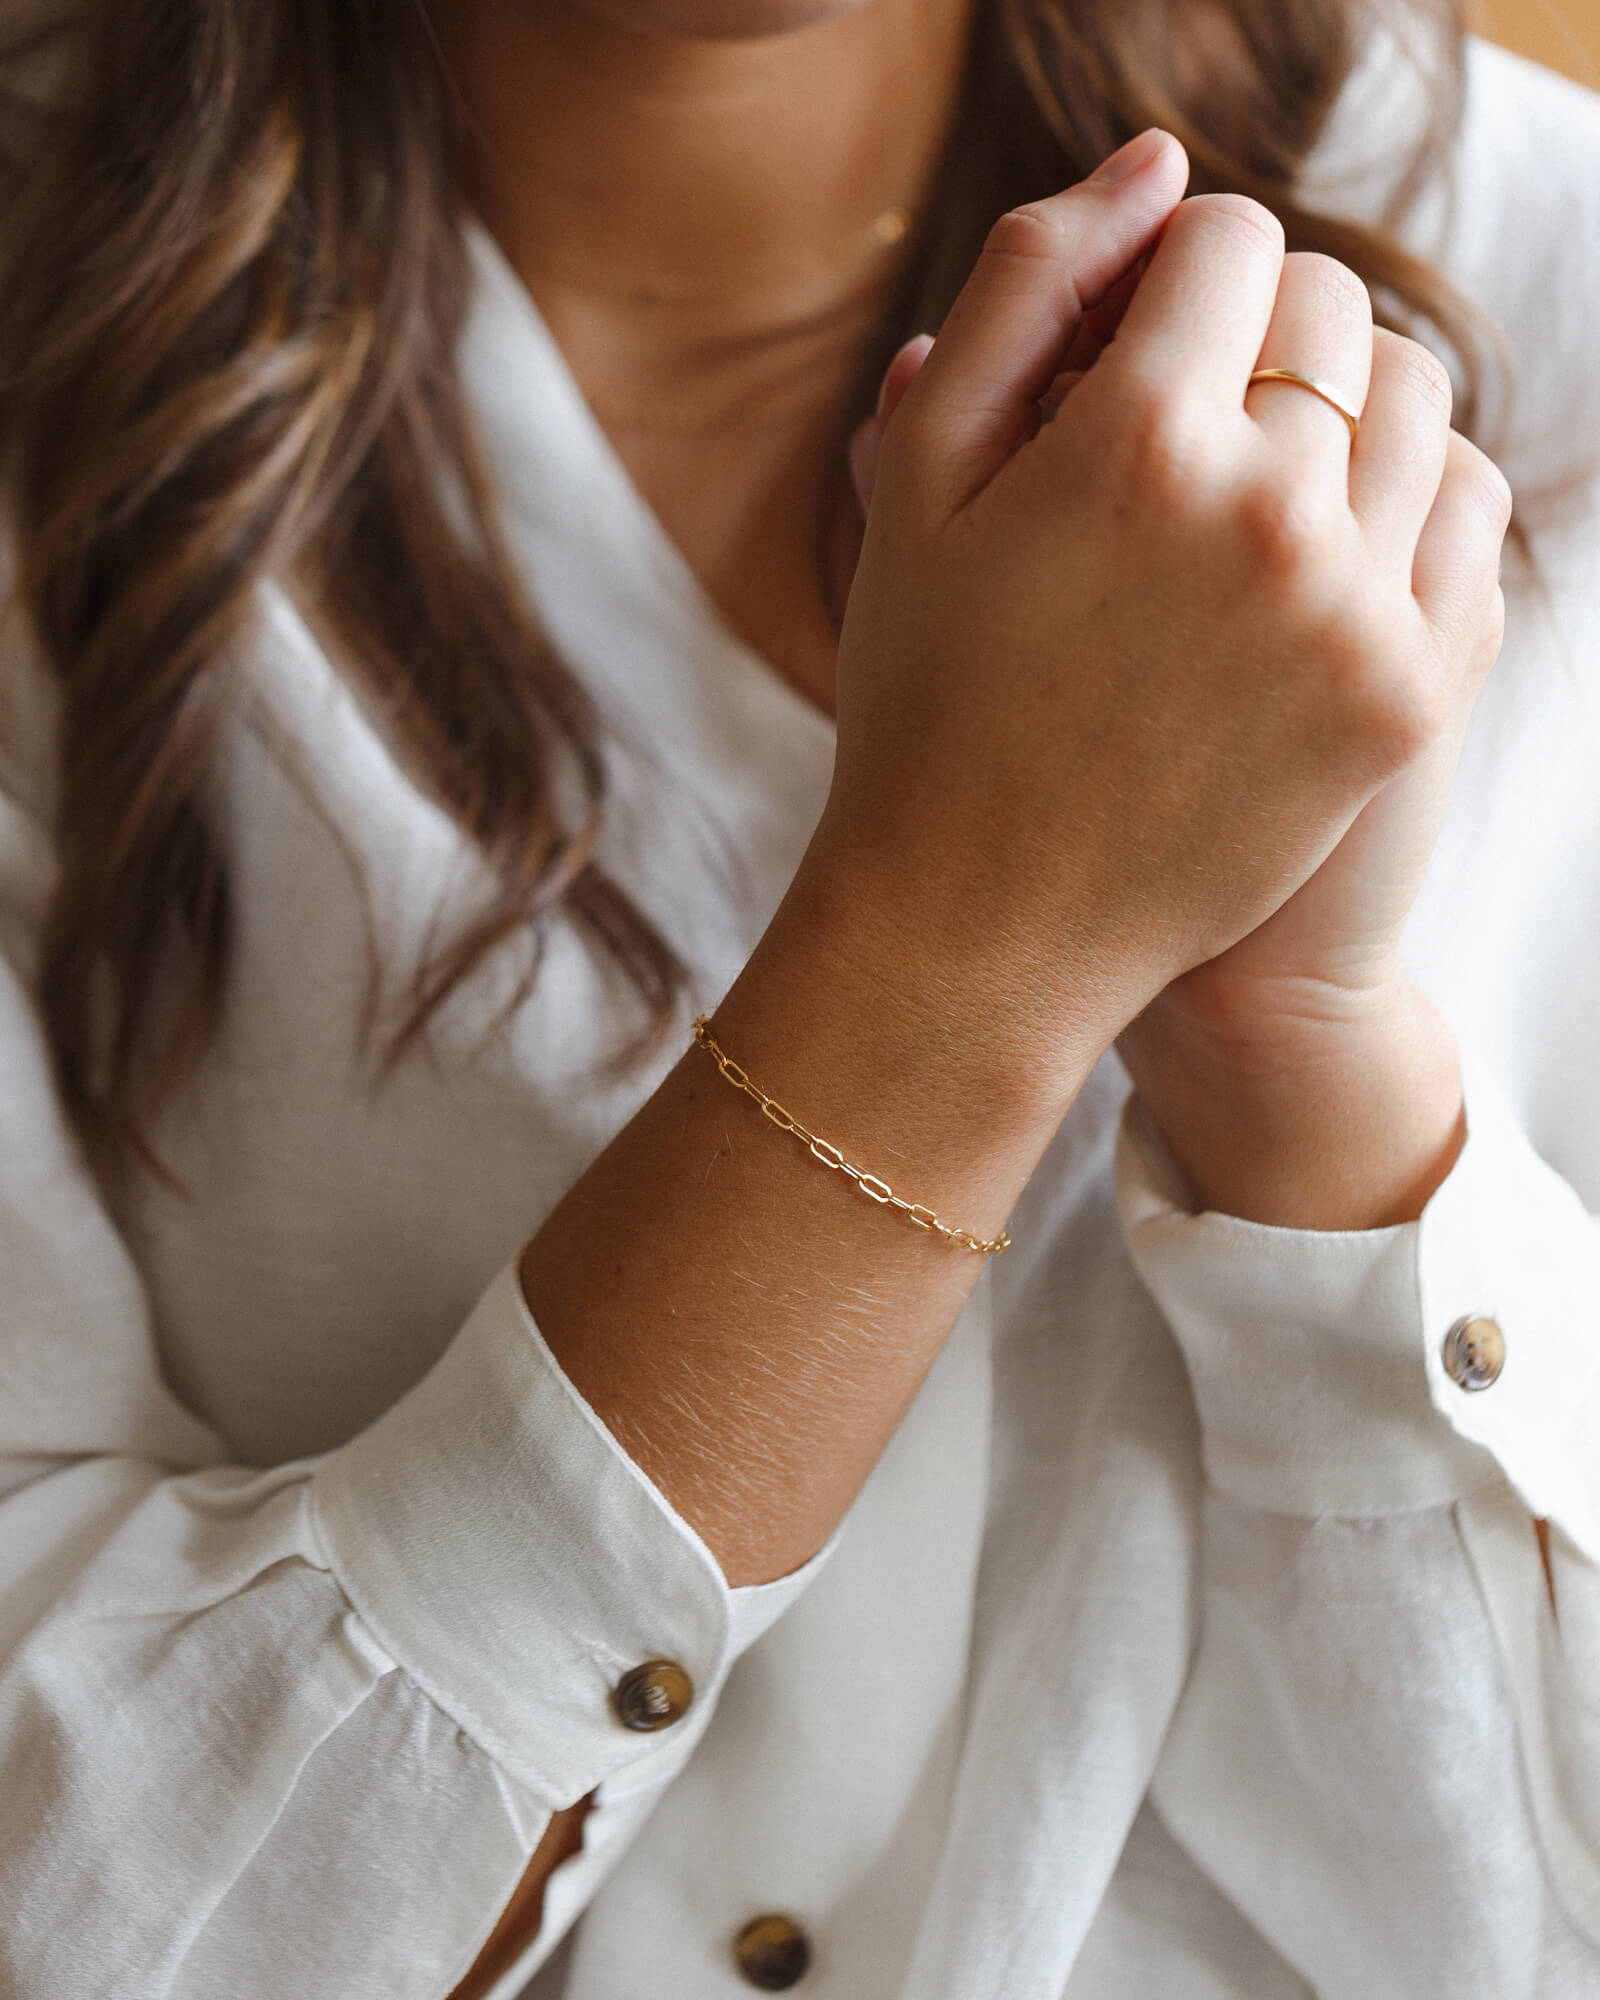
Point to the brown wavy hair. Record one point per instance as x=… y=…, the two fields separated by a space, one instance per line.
x=234 y=280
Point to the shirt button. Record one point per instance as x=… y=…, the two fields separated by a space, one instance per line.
x=653 y=1696
x=772 y=1952
x=1474 y=1353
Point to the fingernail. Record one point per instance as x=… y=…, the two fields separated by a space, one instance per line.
x=1132 y=158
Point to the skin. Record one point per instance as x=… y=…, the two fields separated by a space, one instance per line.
x=643 y=183
x=1072 y=648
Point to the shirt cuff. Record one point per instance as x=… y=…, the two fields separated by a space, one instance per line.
x=1316 y=1359
x=516 y=1563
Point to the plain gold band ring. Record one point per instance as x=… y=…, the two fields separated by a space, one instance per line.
x=1316 y=388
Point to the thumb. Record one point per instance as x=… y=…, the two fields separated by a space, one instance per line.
x=867 y=442
x=1007 y=334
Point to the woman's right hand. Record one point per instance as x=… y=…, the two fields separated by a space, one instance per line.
x=1112 y=686
x=1109 y=688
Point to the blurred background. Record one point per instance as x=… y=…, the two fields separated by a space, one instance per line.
x=1565 y=34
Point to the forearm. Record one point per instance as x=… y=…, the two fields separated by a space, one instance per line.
x=748 y=1324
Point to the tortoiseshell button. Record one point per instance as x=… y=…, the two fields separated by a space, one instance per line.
x=1474 y=1353
x=653 y=1696
x=772 y=1952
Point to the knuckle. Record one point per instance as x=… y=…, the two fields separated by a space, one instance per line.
x=1336 y=287
x=1248 y=222
x=1400 y=715
x=1285 y=525
x=1165 y=438
x=1473 y=640
x=1425 y=376
x=1392 y=701
x=1487 y=485
x=1029 y=233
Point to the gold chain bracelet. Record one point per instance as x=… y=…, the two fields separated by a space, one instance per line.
x=830 y=1156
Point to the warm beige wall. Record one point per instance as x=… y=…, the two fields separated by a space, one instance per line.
x=1563 y=33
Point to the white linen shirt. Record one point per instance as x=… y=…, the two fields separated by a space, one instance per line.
x=1191 y=1637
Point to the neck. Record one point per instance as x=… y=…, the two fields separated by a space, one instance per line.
x=699 y=194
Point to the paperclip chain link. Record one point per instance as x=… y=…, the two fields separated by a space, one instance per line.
x=830 y=1156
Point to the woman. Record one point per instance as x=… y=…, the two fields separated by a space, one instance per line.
x=427 y=460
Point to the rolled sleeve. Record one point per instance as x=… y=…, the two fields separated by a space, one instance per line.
x=517 y=1563
x=1316 y=1358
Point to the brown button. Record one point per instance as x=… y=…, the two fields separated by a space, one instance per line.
x=773 y=1953
x=653 y=1696
x=1474 y=1353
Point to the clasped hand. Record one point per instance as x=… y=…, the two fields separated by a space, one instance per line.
x=1164 y=674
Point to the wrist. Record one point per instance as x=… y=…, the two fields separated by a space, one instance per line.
x=916 y=1057
x=990 y=983
x=1326 y=1111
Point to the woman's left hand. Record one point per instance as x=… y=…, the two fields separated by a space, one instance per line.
x=1299 y=1078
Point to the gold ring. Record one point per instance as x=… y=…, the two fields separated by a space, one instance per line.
x=1316 y=388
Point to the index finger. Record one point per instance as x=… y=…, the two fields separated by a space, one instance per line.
x=1003 y=340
